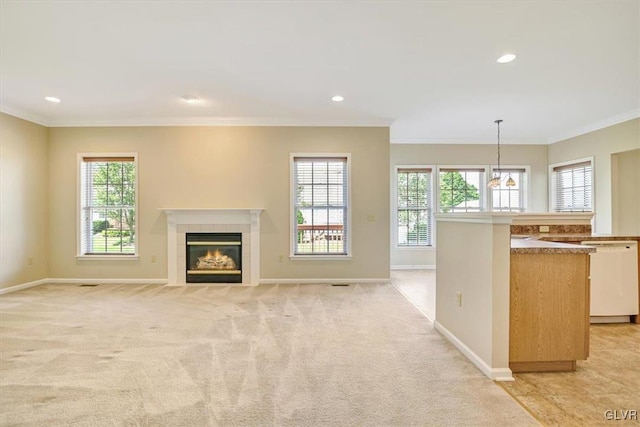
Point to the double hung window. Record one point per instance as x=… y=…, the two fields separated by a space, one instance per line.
x=572 y=186
x=108 y=197
x=510 y=198
x=320 y=211
x=414 y=207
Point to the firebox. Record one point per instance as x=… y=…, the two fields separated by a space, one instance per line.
x=214 y=257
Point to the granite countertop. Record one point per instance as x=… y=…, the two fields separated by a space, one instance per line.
x=535 y=246
x=551 y=243
x=580 y=237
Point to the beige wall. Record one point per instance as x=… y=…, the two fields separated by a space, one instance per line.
x=601 y=144
x=439 y=154
x=473 y=259
x=23 y=201
x=625 y=195
x=222 y=167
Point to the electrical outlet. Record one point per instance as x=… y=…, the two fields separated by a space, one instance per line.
x=459 y=299
x=544 y=228
x=280 y=258
x=371 y=217
x=154 y=258
x=30 y=260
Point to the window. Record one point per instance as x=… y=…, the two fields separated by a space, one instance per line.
x=320 y=194
x=461 y=189
x=414 y=213
x=108 y=205
x=510 y=199
x=571 y=186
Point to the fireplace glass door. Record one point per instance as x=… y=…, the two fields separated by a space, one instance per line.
x=214 y=258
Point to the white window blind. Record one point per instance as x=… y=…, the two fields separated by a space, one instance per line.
x=510 y=199
x=462 y=189
x=571 y=185
x=415 y=212
x=108 y=206
x=321 y=206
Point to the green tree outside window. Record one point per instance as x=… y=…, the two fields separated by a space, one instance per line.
x=454 y=190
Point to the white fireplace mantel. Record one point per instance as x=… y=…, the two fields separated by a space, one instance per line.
x=243 y=220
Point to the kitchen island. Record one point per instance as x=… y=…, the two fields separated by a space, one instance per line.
x=517 y=304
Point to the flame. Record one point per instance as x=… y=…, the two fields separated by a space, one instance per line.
x=215 y=254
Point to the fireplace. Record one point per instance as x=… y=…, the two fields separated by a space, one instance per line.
x=181 y=221
x=213 y=257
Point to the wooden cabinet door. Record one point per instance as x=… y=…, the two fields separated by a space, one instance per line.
x=549 y=307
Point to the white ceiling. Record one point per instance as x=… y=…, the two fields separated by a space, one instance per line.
x=427 y=69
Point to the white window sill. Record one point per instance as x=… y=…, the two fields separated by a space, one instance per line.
x=320 y=257
x=416 y=248
x=107 y=257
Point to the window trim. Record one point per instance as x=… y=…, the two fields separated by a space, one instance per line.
x=103 y=257
x=394 y=209
x=293 y=218
x=527 y=189
x=552 y=193
x=483 y=206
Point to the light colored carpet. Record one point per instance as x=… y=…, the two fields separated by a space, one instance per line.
x=203 y=355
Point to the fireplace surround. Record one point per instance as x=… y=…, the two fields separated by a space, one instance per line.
x=245 y=222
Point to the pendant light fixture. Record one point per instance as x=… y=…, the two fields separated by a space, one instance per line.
x=510 y=181
x=495 y=180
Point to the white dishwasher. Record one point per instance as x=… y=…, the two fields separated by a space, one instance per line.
x=614 y=280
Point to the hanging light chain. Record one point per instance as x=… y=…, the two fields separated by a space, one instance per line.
x=498 y=123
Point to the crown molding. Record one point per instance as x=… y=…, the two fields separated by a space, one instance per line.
x=601 y=124
x=25 y=115
x=194 y=121
x=469 y=141
x=221 y=121
x=268 y=121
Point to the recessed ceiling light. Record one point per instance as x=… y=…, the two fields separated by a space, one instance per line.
x=191 y=99
x=53 y=99
x=337 y=98
x=507 y=57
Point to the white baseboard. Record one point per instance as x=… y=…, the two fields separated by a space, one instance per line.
x=74 y=281
x=110 y=281
x=497 y=374
x=23 y=286
x=87 y=281
x=323 y=281
x=414 y=267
